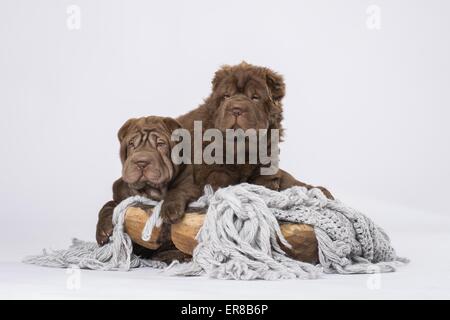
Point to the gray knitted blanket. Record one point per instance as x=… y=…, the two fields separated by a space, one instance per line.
x=238 y=239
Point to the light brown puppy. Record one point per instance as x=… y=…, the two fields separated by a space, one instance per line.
x=147 y=169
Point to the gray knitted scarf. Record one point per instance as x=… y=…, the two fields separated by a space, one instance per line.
x=238 y=239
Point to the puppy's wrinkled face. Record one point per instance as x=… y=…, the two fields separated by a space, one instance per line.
x=145 y=154
x=247 y=97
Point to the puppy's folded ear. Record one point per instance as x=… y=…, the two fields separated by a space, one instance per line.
x=121 y=135
x=276 y=85
x=124 y=129
x=171 y=124
x=220 y=75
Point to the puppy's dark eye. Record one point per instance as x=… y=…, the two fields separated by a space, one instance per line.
x=160 y=143
x=255 y=97
x=226 y=96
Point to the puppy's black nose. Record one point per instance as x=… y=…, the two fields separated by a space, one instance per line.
x=236 y=112
x=142 y=164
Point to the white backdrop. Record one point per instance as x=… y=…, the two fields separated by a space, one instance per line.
x=366 y=111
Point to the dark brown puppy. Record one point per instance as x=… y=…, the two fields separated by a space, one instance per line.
x=246 y=97
x=147 y=169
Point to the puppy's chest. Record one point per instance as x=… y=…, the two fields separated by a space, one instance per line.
x=224 y=175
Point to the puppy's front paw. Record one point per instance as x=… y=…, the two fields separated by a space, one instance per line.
x=104 y=231
x=326 y=192
x=168 y=256
x=172 y=211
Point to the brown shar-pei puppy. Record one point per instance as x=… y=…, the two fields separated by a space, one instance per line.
x=147 y=170
x=246 y=97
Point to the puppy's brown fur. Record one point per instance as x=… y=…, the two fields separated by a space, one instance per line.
x=147 y=169
x=246 y=97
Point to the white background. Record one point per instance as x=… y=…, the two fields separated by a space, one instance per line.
x=366 y=111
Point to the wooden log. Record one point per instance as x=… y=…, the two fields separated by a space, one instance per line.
x=300 y=236
x=135 y=219
x=183 y=233
x=303 y=241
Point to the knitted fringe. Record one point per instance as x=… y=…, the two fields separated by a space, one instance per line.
x=117 y=254
x=239 y=238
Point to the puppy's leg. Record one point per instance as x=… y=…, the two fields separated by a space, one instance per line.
x=104 y=224
x=220 y=179
x=174 y=206
x=171 y=255
x=183 y=191
x=287 y=181
x=270 y=181
x=215 y=175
